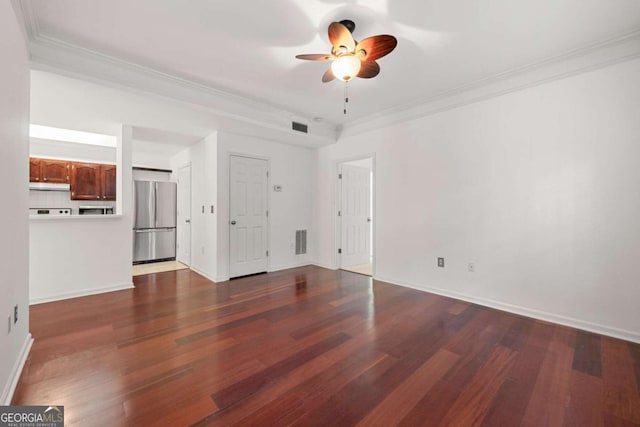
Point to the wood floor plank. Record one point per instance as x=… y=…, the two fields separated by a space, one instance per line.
x=510 y=404
x=401 y=400
x=619 y=382
x=304 y=388
x=634 y=351
x=311 y=346
x=252 y=384
x=550 y=395
x=585 y=403
x=586 y=357
x=472 y=404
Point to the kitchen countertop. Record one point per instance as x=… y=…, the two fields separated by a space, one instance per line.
x=73 y=217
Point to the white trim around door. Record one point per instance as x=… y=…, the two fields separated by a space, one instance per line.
x=340 y=227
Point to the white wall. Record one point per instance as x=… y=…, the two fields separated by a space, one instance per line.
x=154 y=155
x=49 y=149
x=539 y=188
x=14 y=152
x=85 y=255
x=290 y=210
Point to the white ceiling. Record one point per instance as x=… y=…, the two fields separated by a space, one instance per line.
x=249 y=48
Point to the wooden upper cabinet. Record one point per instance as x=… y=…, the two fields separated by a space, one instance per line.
x=90 y=181
x=54 y=171
x=108 y=178
x=85 y=181
x=34 y=169
x=49 y=171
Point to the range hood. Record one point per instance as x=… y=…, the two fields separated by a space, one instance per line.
x=42 y=186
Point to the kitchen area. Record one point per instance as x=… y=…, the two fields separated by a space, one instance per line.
x=71 y=172
x=95 y=219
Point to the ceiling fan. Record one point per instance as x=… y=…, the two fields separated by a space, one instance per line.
x=350 y=58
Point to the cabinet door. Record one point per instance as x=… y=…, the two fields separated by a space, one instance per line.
x=34 y=169
x=108 y=178
x=85 y=181
x=55 y=171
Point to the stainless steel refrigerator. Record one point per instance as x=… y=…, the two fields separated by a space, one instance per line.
x=154 y=226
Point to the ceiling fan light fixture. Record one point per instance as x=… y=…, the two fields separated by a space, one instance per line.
x=346 y=67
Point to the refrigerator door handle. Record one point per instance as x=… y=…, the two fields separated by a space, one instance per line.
x=155 y=204
x=135 y=208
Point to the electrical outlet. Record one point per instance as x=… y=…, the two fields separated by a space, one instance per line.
x=441 y=262
x=15 y=314
x=472 y=267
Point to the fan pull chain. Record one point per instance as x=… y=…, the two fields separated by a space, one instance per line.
x=346 y=95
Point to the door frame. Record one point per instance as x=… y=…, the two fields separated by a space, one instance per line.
x=190 y=166
x=255 y=157
x=338 y=207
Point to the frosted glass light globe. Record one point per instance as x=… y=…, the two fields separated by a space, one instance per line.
x=346 y=67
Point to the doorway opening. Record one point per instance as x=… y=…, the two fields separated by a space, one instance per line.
x=356 y=180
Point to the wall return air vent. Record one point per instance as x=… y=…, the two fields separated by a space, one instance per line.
x=301 y=242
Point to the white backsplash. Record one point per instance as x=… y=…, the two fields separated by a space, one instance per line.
x=62 y=199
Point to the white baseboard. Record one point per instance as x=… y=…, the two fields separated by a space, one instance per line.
x=82 y=293
x=271 y=270
x=12 y=381
x=524 y=311
x=318 y=264
x=203 y=274
x=288 y=266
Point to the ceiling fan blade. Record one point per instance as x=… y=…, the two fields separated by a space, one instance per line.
x=376 y=47
x=328 y=76
x=369 y=70
x=339 y=36
x=316 y=57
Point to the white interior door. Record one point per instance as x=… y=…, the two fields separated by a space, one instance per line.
x=248 y=216
x=184 y=216
x=355 y=215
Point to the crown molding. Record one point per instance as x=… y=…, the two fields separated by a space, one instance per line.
x=231 y=110
x=21 y=18
x=598 y=55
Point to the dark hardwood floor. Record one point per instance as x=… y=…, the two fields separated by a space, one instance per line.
x=310 y=346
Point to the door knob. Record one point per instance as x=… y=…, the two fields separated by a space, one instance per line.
x=188 y=221
x=368 y=219
x=233 y=222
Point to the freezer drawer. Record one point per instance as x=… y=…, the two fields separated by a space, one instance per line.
x=154 y=244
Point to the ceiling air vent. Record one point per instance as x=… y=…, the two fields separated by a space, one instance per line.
x=300 y=127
